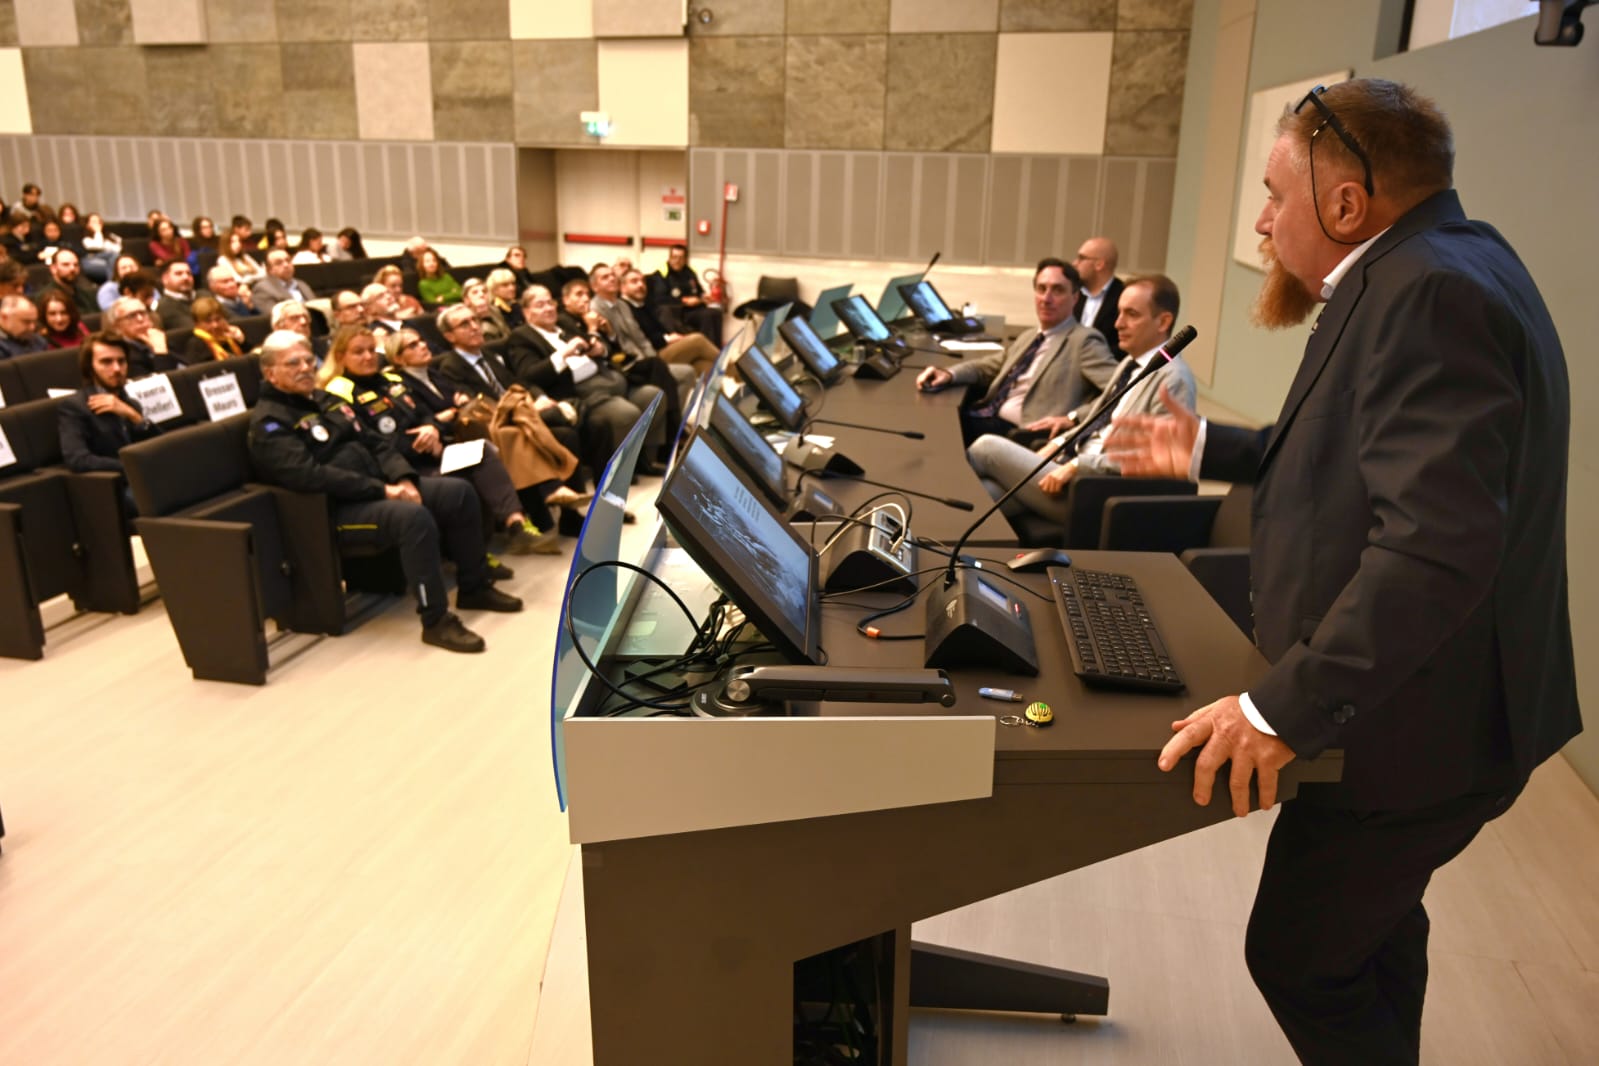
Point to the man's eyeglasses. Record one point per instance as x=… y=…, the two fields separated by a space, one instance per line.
x=1330 y=119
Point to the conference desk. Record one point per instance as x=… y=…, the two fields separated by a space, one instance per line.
x=718 y=853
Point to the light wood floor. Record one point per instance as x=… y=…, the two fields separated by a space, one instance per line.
x=361 y=863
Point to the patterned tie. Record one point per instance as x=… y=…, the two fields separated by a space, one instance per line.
x=489 y=376
x=1002 y=390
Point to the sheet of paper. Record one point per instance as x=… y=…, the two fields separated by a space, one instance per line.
x=971 y=346
x=461 y=456
x=582 y=368
x=7 y=456
x=56 y=394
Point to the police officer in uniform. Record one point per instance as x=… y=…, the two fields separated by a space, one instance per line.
x=303 y=441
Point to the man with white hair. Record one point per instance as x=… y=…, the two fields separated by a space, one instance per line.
x=130 y=319
x=381 y=309
x=19 y=327
x=223 y=282
x=306 y=440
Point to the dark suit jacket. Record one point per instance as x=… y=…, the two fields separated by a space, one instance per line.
x=1105 y=321
x=1409 y=552
x=528 y=356
x=458 y=372
x=90 y=441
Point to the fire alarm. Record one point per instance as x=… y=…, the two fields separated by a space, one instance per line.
x=703 y=227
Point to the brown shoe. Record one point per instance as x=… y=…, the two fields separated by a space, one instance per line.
x=567 y=497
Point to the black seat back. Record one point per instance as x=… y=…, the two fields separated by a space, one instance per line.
x=42 y=371
x=1231 y=528
x=33 y=432
x=178 y=470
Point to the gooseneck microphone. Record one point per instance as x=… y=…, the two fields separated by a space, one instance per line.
x=913 y=434
x=962 y=626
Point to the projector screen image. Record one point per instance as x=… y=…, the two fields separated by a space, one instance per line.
x=927 y=304
x=817 y=357
x=860 y=319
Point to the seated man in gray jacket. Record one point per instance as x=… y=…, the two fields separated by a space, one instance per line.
x=1147 y=311
x=1047 y=371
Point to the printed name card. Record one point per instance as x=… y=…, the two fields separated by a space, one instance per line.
x=222 y=395
x=56 y=394
x=156 y=398
x=7 y=456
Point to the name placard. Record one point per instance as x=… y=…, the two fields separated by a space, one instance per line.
x=222 y=395
x=156 y=398
x=7 y=456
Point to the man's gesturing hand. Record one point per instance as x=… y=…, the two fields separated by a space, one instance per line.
x=1226 y=734
x=1154 y=445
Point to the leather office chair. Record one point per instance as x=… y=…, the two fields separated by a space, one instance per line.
x=1085 y=502
x=1210 y=533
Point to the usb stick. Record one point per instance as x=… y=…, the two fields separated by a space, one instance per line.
x=1006 y=694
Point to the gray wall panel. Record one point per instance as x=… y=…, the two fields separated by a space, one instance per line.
x=831 y=192
x=767 y=182
x=1118 y=202
x=738 y=168
x=354 y=206
x=397 y=175
x=428 y=198
x=932 y=226
x=1004 y=209
x=899 y=194
x=965 y=243
x=799 y=204
x=1160 y=182
x=863 y=205
x=704 y=185
x=473 y=191
x=1082 y=204
x=375 y=182
x=1045 y=178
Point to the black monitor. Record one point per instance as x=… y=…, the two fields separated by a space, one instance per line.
x=745 y=444
x=747 y=549
x=891 y=305
x=863 y=323
x=778 y=395
x=812 y=350
x=927 y=304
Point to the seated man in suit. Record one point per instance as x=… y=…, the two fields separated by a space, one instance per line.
x=1100 y=300
x=19 y=327
x=1144 y=322
x=101 y=419
x=631 y=349
x=694 y=349
x=223 y=282
x=1047 y=371
x=66 y=274
x=175 y=310
x=302 y=441
x=575 y=367
x=130 y=319
x=280 y=283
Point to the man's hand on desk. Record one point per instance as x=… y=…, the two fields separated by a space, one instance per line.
x=1154 y=445
x=1053 y=425
x=1226 y=734
x=933 y=378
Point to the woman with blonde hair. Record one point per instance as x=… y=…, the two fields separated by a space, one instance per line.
x=214 y=336
x=392 y=278
x=386 y=405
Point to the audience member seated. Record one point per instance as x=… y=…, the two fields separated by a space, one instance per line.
x=101 y=419
x=311 y=248
x=223 y=283
x=108 y=293
x=679 y=300
x=639 y=357
x=62 y=328
x=1147 y=313
x=236 y=254
x=145 y=345
x=621 y=265
x=572 y=366
x=19 y=327
x=1099 y=301
x=202 y=239
x=152 y=219
x=279 y=284
x=305 y=440
x=13 y=277
x=31 y=203
x=174 y=310
x=1049 y=370
x=168 y=244
x=475 y=295
x=385 y=403
x=293 y=316
x=437 y=287
x=273 y=235
x=380 y=310
x=406 y=351
x=51 y=239
x=214 y=336
x=411 y=255
x=347 y=245
x=100 y=249
x=392 y=278
x=516 y=262
x=347 y=310
x=694 y=349
x=66 y=275
x=503 y=292
x=19 y=241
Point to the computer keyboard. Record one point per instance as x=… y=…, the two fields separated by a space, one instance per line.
x=1109 y=631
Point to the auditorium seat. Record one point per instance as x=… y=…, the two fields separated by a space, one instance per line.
x=60 y=533
x=39 y=372
x=1085 y=503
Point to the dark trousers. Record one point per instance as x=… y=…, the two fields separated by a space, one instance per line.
x=1337 y=941
x=974 y=426
x=447 y=521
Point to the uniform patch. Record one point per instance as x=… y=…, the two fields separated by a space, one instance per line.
x=319 y=432
x=386 y=424
x=270 y=426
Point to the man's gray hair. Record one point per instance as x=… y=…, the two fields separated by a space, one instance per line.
x=281 y=309
x=442 y=319
x=10 y=302
x=280 y=343
x=221 y=270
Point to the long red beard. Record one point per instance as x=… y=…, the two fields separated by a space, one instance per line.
x=1283 y=301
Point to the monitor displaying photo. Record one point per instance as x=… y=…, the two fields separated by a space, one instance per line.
x=925 y=302
x=861 y=321
x=816 y=355
x=762 y=564
x=778 y=396
x=750 y=450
